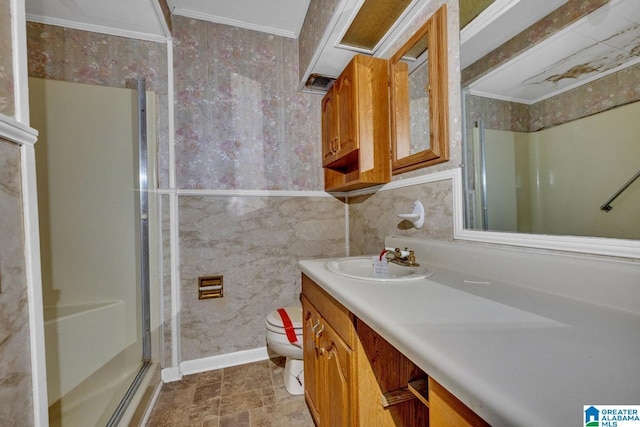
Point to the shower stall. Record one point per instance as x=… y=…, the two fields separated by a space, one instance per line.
x=98 y=228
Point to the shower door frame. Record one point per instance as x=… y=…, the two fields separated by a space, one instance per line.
x=145 y=286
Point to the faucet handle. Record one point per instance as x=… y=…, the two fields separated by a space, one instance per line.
x=412 y=259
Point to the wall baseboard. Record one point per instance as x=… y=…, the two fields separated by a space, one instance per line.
x=214 y=362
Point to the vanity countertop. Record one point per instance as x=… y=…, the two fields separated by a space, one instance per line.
x=514 y=355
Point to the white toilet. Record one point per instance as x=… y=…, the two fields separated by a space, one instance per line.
x=279 y=343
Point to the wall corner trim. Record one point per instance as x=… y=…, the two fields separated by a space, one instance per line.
x=17 y=132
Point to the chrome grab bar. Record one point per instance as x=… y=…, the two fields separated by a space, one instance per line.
x=606 y=206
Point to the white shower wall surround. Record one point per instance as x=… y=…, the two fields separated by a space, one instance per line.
x=80 y=339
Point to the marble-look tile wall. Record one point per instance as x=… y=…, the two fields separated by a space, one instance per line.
x=7 y=96
x=167 y=330
x=16 y=404
x=373 y=217
x=255 y=243
x=240 y=121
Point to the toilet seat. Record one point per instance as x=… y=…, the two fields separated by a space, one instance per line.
x=276 y=325
x=281 y=344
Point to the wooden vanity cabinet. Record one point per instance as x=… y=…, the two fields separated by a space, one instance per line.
x=354 y=377
x=356 y=149
x=329 y=359
x=446 y=410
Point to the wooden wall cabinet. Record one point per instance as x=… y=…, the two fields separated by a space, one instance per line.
x=353 y=377
x=356 y=149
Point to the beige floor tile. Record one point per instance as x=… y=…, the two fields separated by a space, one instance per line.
x=241 y=419
x=292 y=413
x=249 y=395
x=232 y=404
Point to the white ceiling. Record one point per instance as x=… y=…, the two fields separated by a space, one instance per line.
x=280 y=17
x=139 y=18
x=601 y=43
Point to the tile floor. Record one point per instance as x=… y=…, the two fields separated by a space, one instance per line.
x=251 y=395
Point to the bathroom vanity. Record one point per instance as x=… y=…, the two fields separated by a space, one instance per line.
x=353 y=376
x=494 y=337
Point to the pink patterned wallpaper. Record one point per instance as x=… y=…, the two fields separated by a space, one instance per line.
x=84 y=57
x=7 y=97
x=240 y=122
x=313 y=27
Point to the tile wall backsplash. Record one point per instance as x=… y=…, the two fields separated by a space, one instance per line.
x=240 y=121
x=255 y=243
x=16 y=405
x=167 y=329
x=373 y=217
x=7 y=96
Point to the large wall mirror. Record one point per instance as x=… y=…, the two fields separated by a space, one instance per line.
x=419 y=96
x=552 y=135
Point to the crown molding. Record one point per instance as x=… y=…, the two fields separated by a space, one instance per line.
x=139 y=35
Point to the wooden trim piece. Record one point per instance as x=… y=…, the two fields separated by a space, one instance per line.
x=420 y=388
x=394 y=397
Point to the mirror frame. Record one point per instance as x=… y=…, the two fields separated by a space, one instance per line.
x=438 y=152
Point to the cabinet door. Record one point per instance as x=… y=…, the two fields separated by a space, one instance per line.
x=311 y=325
x=445 y=410
x=347 y=111
x=330 y=130
x=337 y=397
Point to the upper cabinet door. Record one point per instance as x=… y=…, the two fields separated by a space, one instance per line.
x=346 y=94
x=330 y=127
x=355 y=126
x=419 y=98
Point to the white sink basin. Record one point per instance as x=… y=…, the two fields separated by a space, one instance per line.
x=362 y=268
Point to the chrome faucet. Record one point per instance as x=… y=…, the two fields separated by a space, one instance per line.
x=404 y=257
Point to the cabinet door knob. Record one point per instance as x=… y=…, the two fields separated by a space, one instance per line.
x=335 y=146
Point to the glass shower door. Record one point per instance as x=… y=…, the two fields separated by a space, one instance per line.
x=89 y=204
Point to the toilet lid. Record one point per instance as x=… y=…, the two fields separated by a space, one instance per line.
x=294 y=312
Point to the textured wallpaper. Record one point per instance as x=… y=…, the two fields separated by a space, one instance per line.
x=313 y=27
x=67 y=54
x=7 y=97
x=240 y=122
x=84 y=57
